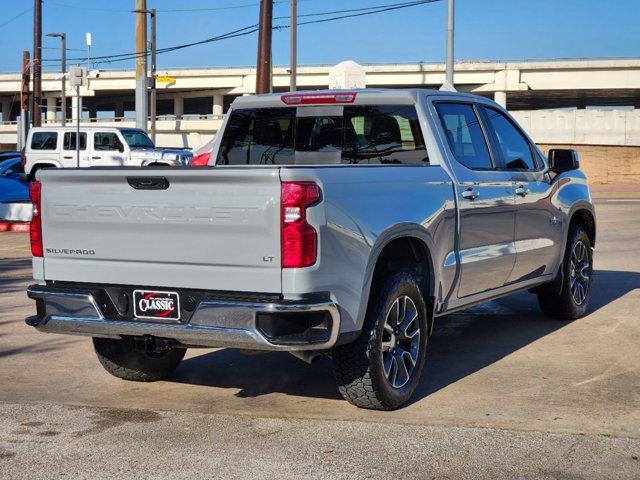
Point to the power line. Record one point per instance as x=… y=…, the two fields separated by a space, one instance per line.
x=208 y=9
x=168 y=10
x=83 y=7
x=349 y=13
x=16 y=17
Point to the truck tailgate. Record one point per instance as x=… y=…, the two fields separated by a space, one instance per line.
x=213 y=229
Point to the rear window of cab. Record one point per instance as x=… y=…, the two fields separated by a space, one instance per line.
x=351 y=135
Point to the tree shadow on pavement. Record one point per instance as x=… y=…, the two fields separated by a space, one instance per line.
x=462 y=344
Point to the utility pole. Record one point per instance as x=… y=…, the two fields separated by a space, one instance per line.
x=141 y=64
x=450 y=32
x=24 y=99
x=37 y=63
x=263 y=74
x=293 y=84
x=152 y=80
x=63 y=56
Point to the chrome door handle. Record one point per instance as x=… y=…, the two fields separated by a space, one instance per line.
x=522 y=191
x=470 y=194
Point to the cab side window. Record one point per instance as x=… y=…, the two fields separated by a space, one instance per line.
x=464 y=134
x=513 y=146
x=106 y=141
x=69 y=141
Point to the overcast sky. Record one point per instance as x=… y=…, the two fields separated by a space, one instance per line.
x=486 y=30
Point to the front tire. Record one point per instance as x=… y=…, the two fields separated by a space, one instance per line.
x=568 y=296
x=382 y=368
x=121 y=359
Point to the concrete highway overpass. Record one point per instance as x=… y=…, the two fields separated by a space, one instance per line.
x=190 y=108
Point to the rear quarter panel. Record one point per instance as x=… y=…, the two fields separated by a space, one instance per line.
x=363 y=208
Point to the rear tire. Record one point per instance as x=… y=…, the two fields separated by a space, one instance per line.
x=568 y=296
x=121 y=359
x=382 y=368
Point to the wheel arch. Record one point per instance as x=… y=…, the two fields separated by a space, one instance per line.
x=408 y=249
x=584 y=217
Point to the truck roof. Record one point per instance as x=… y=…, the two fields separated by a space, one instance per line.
x=358 y=96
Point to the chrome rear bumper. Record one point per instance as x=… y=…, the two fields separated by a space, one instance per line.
x=214 y=323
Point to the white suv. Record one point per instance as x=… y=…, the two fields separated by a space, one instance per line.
x=55 y=147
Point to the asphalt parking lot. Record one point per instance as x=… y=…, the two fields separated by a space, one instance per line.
x=507 y=393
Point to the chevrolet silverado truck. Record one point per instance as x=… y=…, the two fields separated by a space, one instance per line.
x=327 y=222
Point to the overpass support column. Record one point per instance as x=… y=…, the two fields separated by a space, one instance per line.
x=218 y=105
x=52 y=103
x=500 y=98
x=6 y=110
x=178 y=107
x=119 y=110
x=74 y=107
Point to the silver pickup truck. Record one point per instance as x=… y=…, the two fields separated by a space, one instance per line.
x=328 y=222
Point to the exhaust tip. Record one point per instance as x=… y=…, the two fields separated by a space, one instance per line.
x=311 y=357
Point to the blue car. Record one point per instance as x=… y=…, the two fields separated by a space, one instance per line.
x=15 y=204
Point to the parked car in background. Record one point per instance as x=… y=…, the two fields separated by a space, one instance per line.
x=11 y=167
x=15 y=205
x=55 y=147
x=8 y=155
x=328 y=222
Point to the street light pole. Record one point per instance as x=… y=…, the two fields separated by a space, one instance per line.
x=63 y=94
x=63 y=56
x=450 y=32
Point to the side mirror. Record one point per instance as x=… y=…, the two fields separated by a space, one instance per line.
x=120 y=148
x=563 y=160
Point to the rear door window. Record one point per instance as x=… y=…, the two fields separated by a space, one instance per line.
x=386 y=134
x=44 y=141
x=69 y=141
x=464 y=135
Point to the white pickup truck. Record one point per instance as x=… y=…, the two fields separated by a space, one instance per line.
x=326 y=222
x=55 y=147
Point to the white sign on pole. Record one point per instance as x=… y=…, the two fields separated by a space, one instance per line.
x=77 y=76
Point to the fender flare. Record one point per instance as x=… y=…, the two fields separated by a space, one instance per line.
x=403 y=230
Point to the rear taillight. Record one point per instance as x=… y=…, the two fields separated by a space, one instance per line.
x=35 y=230
x=299 y=240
